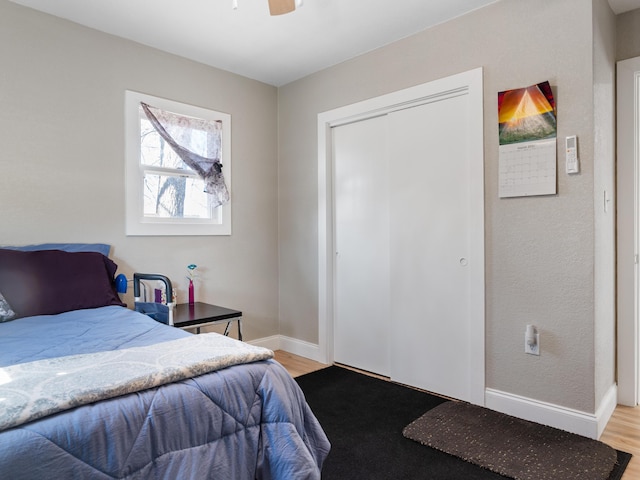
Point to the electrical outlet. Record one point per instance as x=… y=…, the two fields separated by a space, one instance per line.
x=532 y=349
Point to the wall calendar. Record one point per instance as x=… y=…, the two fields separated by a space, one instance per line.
x=527 y=135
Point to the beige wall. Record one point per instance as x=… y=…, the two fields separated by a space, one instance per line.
x=62 y=168
x=628 y=40
x=540 y=261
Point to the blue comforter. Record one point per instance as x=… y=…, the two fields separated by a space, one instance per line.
x=243 y=422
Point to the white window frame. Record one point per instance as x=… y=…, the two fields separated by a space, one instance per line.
x=136 y=223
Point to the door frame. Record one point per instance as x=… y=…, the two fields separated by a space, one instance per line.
x=468 y=83
x=628 y=232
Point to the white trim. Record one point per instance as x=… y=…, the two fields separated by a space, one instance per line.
x=466 y=83
x=628 y=186
x=325 y=242
x=570 y=420
x=301 y=348
x=272 y=343
x=291 y=345
x=574 y=421
x=477 y=289
x=606 y=409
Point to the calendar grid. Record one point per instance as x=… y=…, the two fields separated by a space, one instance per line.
x=528 y=168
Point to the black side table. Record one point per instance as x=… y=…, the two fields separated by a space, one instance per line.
x=201 y=314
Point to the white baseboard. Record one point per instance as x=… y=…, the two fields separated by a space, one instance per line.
x=272 y=343
x=574 y=421
x=606 y=408
x=291 y=345
x=300 y=347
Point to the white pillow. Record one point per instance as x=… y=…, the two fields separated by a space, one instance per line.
x=6 y=313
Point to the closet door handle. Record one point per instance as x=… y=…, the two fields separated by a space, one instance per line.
x=463 y=262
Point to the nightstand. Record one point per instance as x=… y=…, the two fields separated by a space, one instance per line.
x=200 y=314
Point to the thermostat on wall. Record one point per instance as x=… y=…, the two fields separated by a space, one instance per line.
x=571 y=152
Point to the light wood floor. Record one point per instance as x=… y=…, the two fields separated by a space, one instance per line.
x=622 y=431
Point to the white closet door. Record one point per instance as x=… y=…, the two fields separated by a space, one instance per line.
x=628 y=230
x=362 y=317
x=429 y=184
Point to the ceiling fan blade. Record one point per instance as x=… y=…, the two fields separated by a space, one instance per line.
x=278 y=7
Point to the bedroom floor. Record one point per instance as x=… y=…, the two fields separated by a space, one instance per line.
x=622 y=432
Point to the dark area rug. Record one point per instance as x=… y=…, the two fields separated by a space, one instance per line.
x=510 y=446
x=364 y=418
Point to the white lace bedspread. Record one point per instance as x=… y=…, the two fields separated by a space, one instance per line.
x=33 y=390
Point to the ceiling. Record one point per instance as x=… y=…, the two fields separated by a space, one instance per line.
x=247 y=41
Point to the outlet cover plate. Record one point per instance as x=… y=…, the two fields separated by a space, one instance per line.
x=533 y=349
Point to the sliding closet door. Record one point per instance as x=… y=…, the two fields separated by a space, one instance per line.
x=402 y=246
x=404 y=294
x=362 y=316
x=429 y=212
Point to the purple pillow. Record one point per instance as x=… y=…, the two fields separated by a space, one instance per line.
x=47 y=282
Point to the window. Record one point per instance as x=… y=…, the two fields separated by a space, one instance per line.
x=177 y=171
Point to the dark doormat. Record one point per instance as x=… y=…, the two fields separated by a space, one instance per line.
x=364 y=418
x=510 y=446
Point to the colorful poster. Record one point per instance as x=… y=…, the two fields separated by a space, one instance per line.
x=527 y=134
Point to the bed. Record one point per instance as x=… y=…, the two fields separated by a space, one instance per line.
x=100 y=391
